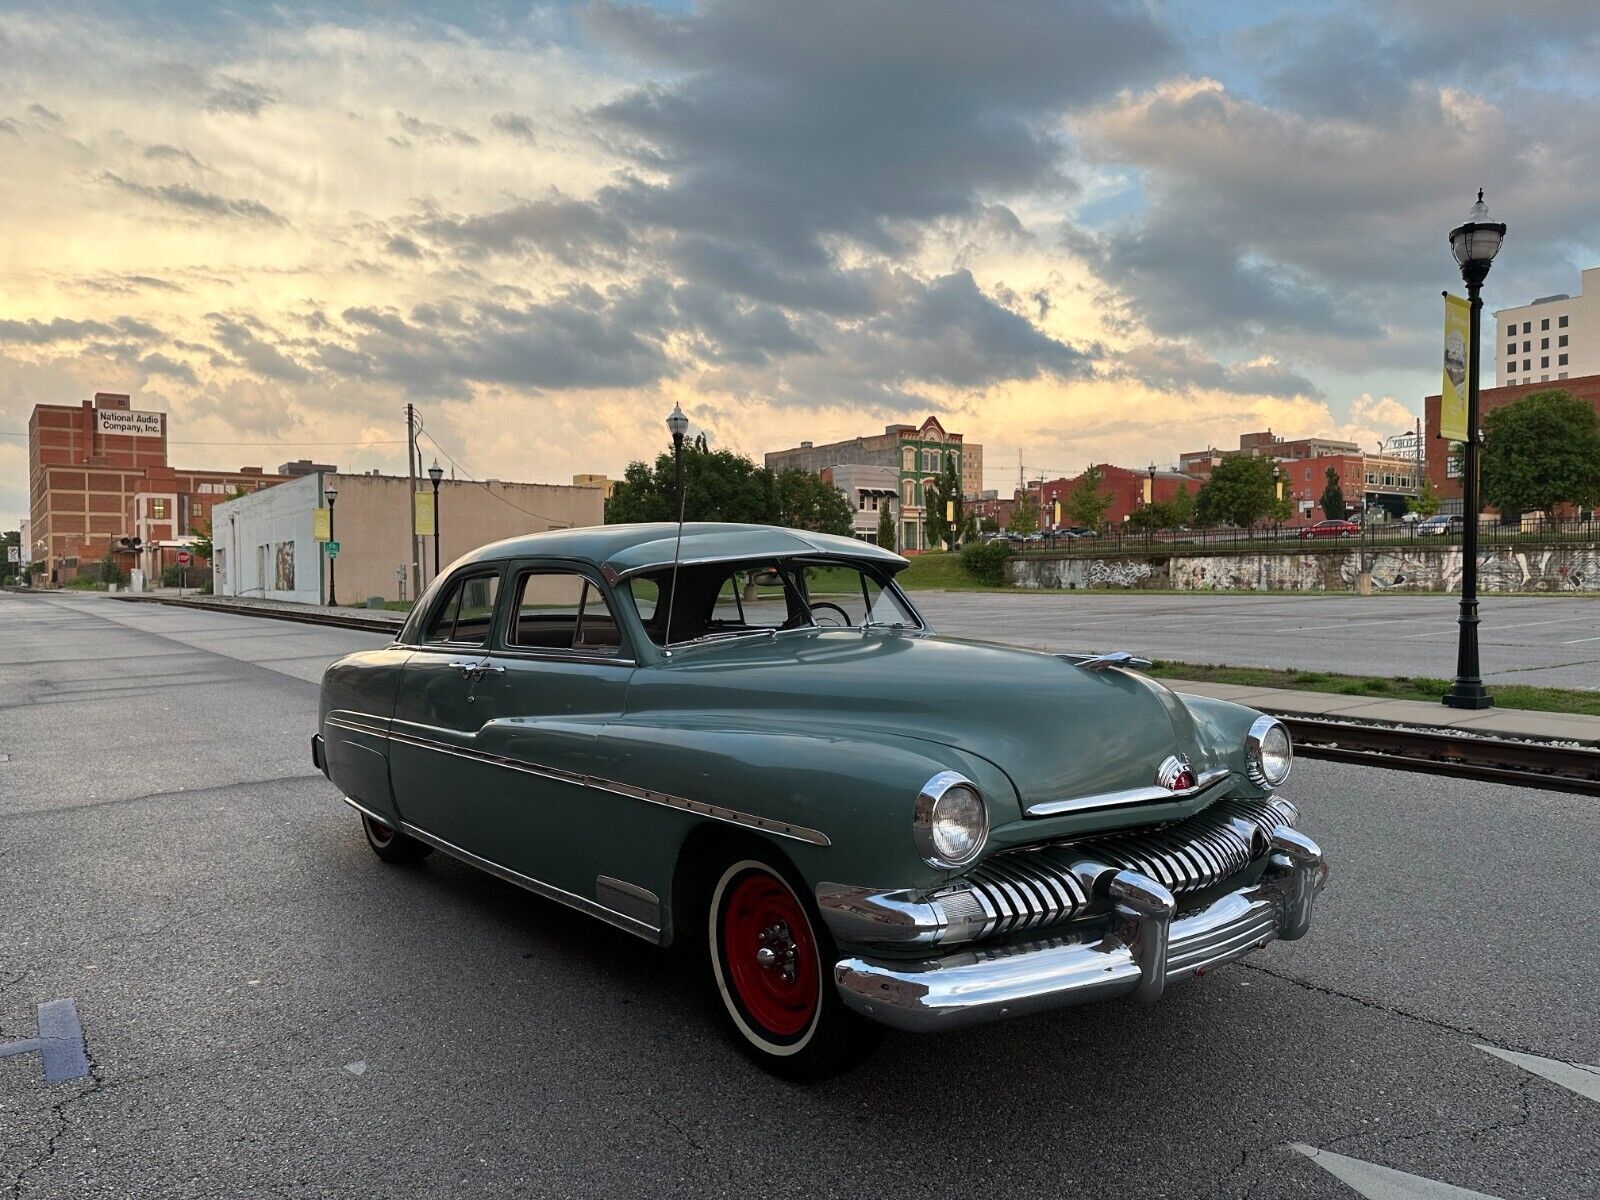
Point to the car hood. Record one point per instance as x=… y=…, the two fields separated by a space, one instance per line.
x=1057 y=730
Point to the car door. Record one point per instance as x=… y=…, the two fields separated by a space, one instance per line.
x=433 y=765
x=556 y=674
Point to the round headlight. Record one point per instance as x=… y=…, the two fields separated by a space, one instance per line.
x=950 y=822
x=1270 y=752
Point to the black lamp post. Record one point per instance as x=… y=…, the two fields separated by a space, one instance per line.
x=1277 y=498
x=436 y=473
x=1149 y=504
x=677 y=425
x=332 y=493
x=1474 y=245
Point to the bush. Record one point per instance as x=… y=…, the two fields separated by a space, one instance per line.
x=986 y=561
x=171 y=575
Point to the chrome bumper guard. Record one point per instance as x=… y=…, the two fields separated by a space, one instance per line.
x=1136 y=950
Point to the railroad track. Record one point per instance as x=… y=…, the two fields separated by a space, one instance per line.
x=1551 y=765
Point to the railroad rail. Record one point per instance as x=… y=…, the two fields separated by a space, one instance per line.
x=1551 y=765
x=308 y=617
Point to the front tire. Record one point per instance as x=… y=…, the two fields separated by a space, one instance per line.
x=772 y=970
x=389 y=844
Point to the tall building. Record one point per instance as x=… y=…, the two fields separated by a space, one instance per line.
x=1554 y=338
x=916 y=452
x=98 y=471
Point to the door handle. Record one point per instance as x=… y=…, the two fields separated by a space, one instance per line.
x=490 y=669
x=466 y=668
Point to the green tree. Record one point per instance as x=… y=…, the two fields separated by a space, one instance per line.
x=807 y=501
x=886 y=525
x=1239 y=492
x=1333 y=497
x=969 y=527
x=1025 y=516
x=989 y=525
x=1542 y=451
x=1182 y=507
x=1426 y=502
x=935 y=529
x=110 y=572
x=717 y=486
x=1086 y=503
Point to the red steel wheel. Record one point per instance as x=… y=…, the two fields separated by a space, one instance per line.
x=391 y=844
x=378 y=833
x=770 y=954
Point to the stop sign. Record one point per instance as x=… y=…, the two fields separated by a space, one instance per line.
x=183 y=558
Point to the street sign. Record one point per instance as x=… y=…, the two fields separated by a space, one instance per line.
x=183 y=558
x=14 y=554
x=332 y=548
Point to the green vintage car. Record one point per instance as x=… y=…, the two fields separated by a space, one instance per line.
x=746 y=741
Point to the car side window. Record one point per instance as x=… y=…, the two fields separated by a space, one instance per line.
x=563 y=610
x=466 y=614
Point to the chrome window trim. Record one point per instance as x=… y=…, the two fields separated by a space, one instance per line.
x=922 y=820
x=1128 y=797
x=700 y=808
x=1252 y=752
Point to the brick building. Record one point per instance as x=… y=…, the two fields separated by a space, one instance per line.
x=1304 y=481
x=1125 y=486
x=1264 y=444
x=1442 y=471
x=98 y=471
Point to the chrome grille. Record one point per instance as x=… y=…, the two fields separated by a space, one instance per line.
x=1045 y=885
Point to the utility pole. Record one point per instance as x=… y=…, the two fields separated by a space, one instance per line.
x=411 y=497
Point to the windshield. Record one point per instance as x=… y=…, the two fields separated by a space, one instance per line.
x=716 y=600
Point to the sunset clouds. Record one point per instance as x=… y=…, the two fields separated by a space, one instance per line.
x=1094 y=231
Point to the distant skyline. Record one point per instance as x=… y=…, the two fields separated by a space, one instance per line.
x=1108 y=232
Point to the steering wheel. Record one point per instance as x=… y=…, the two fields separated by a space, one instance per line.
x=844 y=622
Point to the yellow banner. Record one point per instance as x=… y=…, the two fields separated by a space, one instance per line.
x=319 y=524
x=423 y=502
x=1453 y=395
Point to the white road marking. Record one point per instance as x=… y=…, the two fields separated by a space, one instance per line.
x=1576 y=641
x=1384 y=1183
x=1575 y=1077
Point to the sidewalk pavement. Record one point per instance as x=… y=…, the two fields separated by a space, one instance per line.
x=1485 y=722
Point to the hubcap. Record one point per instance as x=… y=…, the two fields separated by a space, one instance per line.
x=380 y=833
x=769 y=955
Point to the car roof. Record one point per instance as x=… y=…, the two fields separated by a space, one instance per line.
x=621 y=550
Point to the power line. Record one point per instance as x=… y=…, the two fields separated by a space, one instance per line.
x=274 y=442
x=474 y=479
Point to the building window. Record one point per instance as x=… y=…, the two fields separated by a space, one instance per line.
x=1544 y=343
x=1527 y=327
x=1544 y=379
x=158 y=509
x=1562 y=340
x=1527 y=364
x=1511 y=347
x=1561 y=360
x=1545 y=324
x=1563 y=375
x=1526 y=346
x=906 y=492
x=1561 y=323
x=908 y=460
x=1511 y=331
x=1545 y=361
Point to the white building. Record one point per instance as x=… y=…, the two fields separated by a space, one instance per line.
x=869 y=490
x=1550 y=339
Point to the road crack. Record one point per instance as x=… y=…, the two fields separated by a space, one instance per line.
x=59 y=1111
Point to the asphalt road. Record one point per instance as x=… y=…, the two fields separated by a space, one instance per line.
x=271 y=1011
x=1548 y=640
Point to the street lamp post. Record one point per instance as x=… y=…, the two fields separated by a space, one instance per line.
x=332 y=493
x=1474 y=244
x=436 y=473
x=677 y=425
x=1277 y=499
x=1149 y=504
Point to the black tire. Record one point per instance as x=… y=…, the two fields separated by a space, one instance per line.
x=391 y=845
x=794 y=1026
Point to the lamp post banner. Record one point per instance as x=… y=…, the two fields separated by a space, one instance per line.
x=1457 y=365
x=423 y=504
x=320 y=530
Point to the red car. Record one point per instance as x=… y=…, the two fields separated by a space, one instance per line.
x=1331 y=529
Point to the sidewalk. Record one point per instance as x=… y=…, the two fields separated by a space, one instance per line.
x=1486 y=722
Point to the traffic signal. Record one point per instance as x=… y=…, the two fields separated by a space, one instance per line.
x=130 y=544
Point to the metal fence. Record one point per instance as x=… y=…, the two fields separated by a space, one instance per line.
x=1295 y=539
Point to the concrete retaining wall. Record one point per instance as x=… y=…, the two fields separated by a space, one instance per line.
x=1574 y=568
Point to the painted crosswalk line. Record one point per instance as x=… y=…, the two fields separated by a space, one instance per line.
x=1575 y=1077
x=1384 y=1183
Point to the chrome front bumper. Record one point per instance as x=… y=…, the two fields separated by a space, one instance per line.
x=1136 y=950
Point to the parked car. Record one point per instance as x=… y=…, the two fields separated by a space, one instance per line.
x=1441 y=524
x=1076 y=531
x=1331 y=529
x=748 y=741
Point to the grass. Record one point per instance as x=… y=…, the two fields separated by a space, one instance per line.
x=942 y=571
x=1399 y=687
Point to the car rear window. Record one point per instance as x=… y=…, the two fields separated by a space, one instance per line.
x=563 y=610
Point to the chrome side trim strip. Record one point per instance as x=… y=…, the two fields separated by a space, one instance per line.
x=629 y=899
x=549 y=891
x=700 y=808
x=367 y=812
x=1127 y=798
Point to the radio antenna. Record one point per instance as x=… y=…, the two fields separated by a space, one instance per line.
x=678 y=424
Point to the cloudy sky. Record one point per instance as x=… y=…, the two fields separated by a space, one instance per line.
x=1091 y=231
